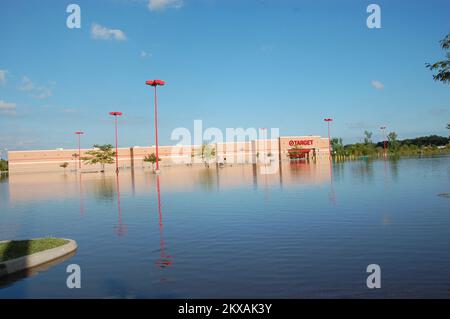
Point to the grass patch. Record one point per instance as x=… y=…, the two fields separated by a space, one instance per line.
x=20 y=248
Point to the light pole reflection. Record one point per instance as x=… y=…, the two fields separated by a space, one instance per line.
x=330 y=156
x=81 y=196
x=383 y=129
x=332 y=192
x=165 y=260
x=121 y=229
x=133 y=182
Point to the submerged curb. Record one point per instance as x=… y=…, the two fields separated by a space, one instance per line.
x=18 y=264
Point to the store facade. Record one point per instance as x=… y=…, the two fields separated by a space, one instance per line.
x=246 y=152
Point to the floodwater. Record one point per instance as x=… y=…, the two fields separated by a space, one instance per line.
x=305 y=231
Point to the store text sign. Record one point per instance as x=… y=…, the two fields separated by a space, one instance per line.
x=300 y=142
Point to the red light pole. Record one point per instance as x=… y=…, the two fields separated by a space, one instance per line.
x=116 y=114
x=332 y=194
x=383 y=129
x=329 y=120
x=155 y=83
x=263 y=134
x=79 y=133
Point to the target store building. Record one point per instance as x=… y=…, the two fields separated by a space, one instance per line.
x=284 y=148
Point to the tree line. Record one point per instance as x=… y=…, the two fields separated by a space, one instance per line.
x=425 y=145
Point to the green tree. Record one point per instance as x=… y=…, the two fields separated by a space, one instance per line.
x=3 y=165
x=64 y=165
x=448 y=126
x=367 y=137
x=337 y=146
x=393 y=142
x=207 y=153
x=431 y=140
x=151 y=158
x=101 y=154
x=442 y=67
x=360 y=149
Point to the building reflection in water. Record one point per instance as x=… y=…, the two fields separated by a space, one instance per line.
x=104 y=187
x=121 y=229
x=266 y=186
x=165 y=260
x=263 y=170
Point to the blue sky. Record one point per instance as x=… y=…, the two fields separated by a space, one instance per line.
x=285 y=64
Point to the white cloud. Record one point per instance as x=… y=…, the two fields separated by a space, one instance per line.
x=103 y=33
x=7 y=106
x=158 y=5
x=145 y=54
x=27 y=84
x=7 y=109
x=43 y=93
x=377 y=84
x=39 y=92
x=3 y=76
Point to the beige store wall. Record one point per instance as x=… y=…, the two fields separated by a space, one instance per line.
x=230 y=153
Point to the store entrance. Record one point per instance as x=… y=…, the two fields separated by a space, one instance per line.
x=301 y=153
